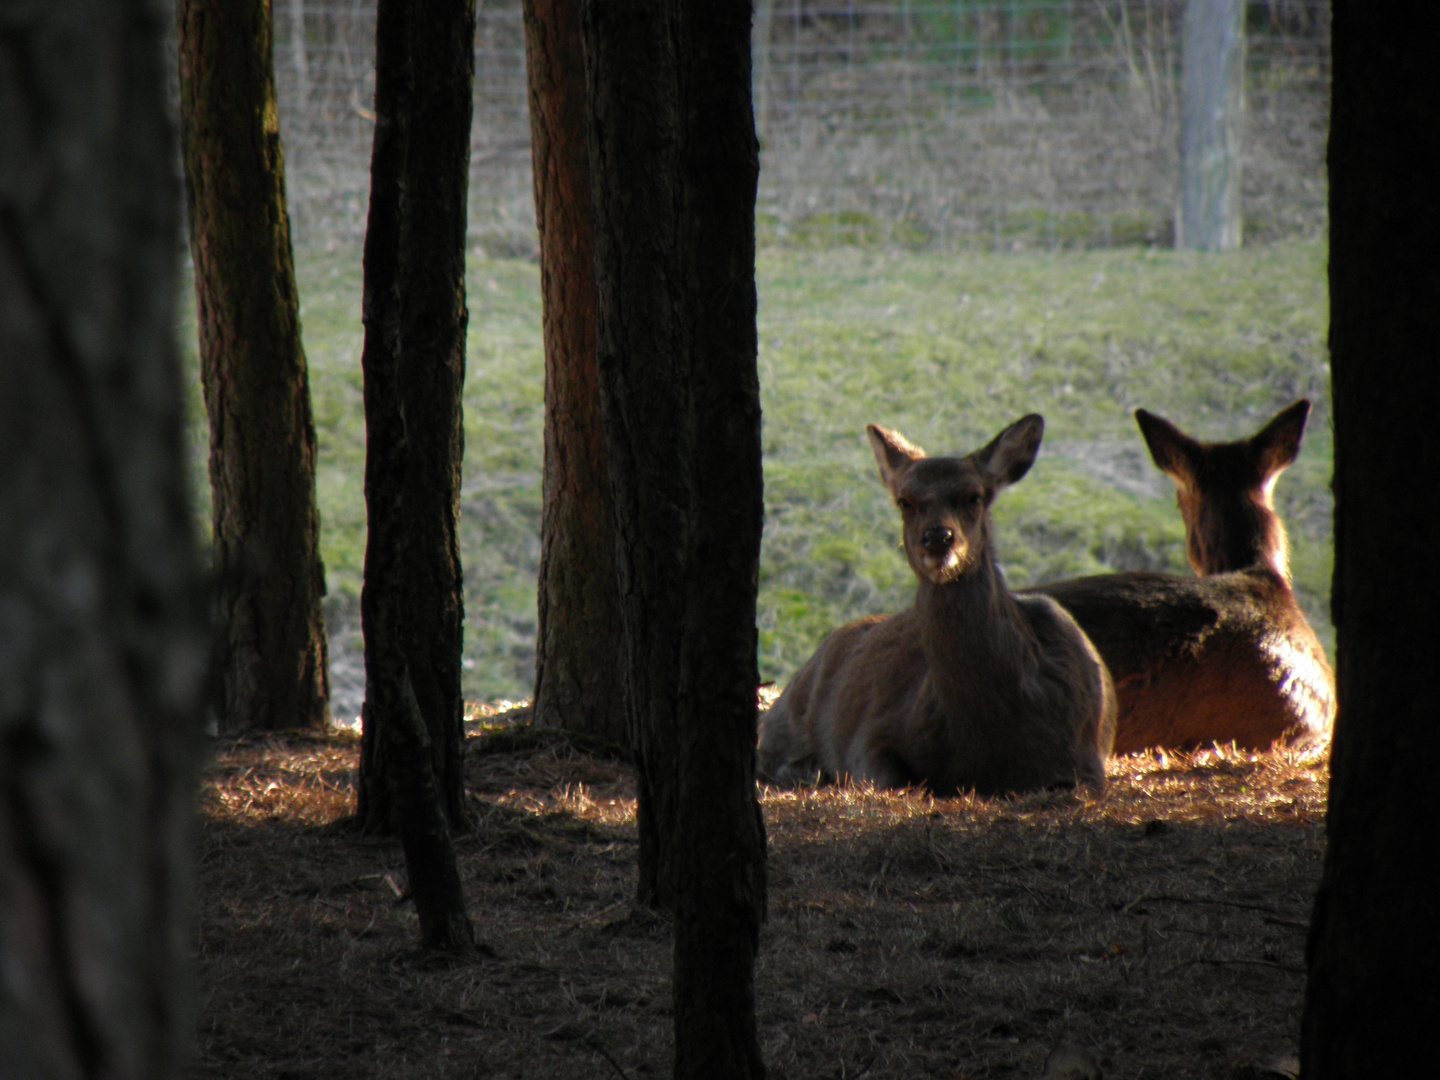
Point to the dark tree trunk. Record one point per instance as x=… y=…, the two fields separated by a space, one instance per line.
x=644 y=383
x=578 y=662
x=270 y=650
x=1370 y=998
x=412 y=748
x=102 y=624
x=719 y=834
x=674 y=167
x=414 y=367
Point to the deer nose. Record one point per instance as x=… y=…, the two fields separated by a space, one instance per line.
x=937 y=540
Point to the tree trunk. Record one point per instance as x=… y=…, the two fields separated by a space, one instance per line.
x=674 y=169
x=719 y=834
x=1370 y=1001
x=644 y=376
x=102 y=623
x=1212 y=122
x=270 y=651
x=414 y=367
x=578 y=660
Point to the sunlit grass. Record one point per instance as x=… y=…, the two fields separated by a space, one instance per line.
x=946 y=347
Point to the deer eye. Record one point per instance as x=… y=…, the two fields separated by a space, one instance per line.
x=904 y=504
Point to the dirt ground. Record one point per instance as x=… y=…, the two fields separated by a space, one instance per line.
x=1154 y=931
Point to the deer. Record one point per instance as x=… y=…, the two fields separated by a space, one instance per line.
x=973 y=688
x=1226 y=656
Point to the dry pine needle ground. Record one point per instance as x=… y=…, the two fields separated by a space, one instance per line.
x=1155 y=931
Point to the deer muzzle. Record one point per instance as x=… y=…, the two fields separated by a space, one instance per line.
x=937 y=541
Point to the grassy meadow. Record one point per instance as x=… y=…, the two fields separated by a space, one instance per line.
x=946 y=347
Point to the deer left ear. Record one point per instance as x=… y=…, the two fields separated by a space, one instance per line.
x=1010 y=454
x=1175 y=454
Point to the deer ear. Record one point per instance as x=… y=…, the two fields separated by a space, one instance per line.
x=1277 y=444
x=1174 y=453
x=892 y=451
x=1010 y=454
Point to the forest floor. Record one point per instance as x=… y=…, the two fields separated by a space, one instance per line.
x=1156 y=930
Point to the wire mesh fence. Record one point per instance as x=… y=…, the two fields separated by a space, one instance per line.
x=1006 y=123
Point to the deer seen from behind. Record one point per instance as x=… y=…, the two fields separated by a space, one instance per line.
x=973 y=688
x=1228 y=656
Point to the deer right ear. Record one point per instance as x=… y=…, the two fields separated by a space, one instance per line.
x=1277 y=444
x=892 y=451
x=1009 y=455
x=1174 y=453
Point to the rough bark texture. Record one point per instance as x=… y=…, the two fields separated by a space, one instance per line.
x=414 y=366
x=102 y=640
x=719 y=833
x=270 y=648
x=1371 y=997
x=578 y=661
x=674 y=167
x=644 y=385
x=1212 y=125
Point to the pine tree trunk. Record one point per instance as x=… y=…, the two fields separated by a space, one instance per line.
x=719 y=836
x=674 y=167
x=1370 y=998
x=270 y=662
x=414 y=366
x=577 y=666
x=644 y=375
x=102 y=622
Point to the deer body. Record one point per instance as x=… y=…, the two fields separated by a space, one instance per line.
x=1227 y=656
x=973 y=688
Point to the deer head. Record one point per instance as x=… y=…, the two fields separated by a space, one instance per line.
x=944 y=502
x=1225 y=490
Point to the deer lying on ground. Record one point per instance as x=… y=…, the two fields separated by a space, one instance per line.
x=973 y=688
x=1228 y=656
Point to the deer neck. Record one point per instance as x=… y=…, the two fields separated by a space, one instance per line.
x=1247 y=535
x=977 y=645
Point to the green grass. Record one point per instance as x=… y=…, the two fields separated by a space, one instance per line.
x=945 y=347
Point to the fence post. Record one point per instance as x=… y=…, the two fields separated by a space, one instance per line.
x=1212 y=109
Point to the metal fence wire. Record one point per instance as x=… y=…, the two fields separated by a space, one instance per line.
x=1003 y=123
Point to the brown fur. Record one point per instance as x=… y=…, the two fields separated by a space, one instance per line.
x=973 y=688
x=1227 y=657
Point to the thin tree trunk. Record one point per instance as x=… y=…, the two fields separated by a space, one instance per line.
x=1212 y=121
x=719 y=836
x=412 y=752
x=644 y=374
x=102 y=622
x=298 y=58
x=578 y=684
x=270 y=649
x=1370 y=998
x=674 y=166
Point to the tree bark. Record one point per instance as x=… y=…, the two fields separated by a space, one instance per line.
x=1212 y=125
x=414 y=367
x=102 y=636
x=578 y=661
x=644 y=373
x=1370 y=998
x=674 y=167
x=719 y=833
x=270 y=659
